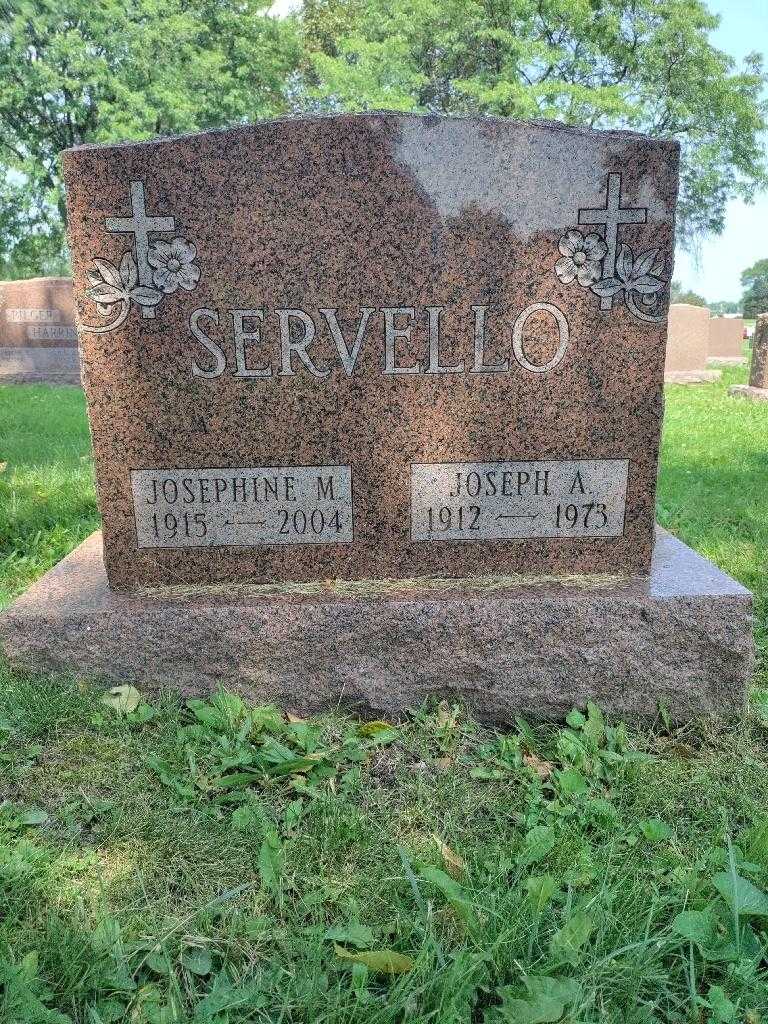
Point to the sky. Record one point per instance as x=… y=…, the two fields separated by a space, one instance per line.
x=743 y=28
x=716 y=270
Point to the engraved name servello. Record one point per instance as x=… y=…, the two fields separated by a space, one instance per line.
x=281 y=341
x=477 y=501
x=293 y=332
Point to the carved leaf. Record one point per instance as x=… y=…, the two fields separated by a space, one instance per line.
x=106 y=293
x=94 y=277
x=646 y=285
x=129 y=274
x=645 y=262
x=608 y=286
x=144 y=296
x=103 y=308
x=624 y=263
x=109 y=273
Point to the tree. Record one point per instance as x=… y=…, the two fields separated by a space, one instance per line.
x=76 y=71
x=30 y=227
x=646 y=65
x=754 y=281
x=722 y=308
x=678 y=294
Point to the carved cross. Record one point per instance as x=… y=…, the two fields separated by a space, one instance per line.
x=140 y=224
x=612 y=215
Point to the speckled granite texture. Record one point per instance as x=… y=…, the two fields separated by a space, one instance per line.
x=758 y=370
x=682 y=637
x=757 y=389
x=688 y=345
x=37 y=313
x=38 y=338
x=298 y=226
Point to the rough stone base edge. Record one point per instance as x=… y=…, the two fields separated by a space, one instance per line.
x=537 y=652
x=58 y=379
x=748 y=392
x=727 y=360
x=691 y=376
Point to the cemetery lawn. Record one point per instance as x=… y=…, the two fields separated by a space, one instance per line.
x=220 y=863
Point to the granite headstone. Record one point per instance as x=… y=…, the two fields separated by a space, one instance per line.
x=376 y=404
x=726 y=341
x=38 y=339
x=374 y=346
x=757 y=388
x=688 y=345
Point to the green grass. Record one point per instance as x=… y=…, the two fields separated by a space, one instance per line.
x=713 y=485
x=47 y=495
x=216 y=863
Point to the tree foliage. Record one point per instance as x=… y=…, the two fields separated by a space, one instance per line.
x=679 y=294
x=724 y=307
x=754 y=281
x=76 y=71
x=646 y=65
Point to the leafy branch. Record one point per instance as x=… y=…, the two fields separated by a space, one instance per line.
x=633 y=275
x=112 y=287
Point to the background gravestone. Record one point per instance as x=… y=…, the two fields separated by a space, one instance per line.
x=726 y=340
x=757 y=389
x=38 y=338
x=407 y=372
x=688 y=345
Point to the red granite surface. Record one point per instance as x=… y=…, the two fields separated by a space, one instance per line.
x=372 y=211
x=688 y=341
x=36 y=295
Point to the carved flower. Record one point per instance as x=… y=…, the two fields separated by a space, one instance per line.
x=173 y=265
x=582 y=256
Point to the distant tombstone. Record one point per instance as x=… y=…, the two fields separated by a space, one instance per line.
x=726 y=341
x=687 y=345
x=757 y=389
x=376 y=404
x=38 y=338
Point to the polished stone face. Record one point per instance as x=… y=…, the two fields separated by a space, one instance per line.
x=374 y=346
x=726 y=337
x=688 y=338
x=37 y=313
x=38 y=338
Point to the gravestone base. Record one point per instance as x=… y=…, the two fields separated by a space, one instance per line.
x=54 y=379
x=691 y=376
x=748 y=392
x=681 y=638
x=39 y=366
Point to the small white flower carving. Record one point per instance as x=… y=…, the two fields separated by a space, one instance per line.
x=153 y=269
x=609 y=269
x=581 y=258
x=173 y=265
